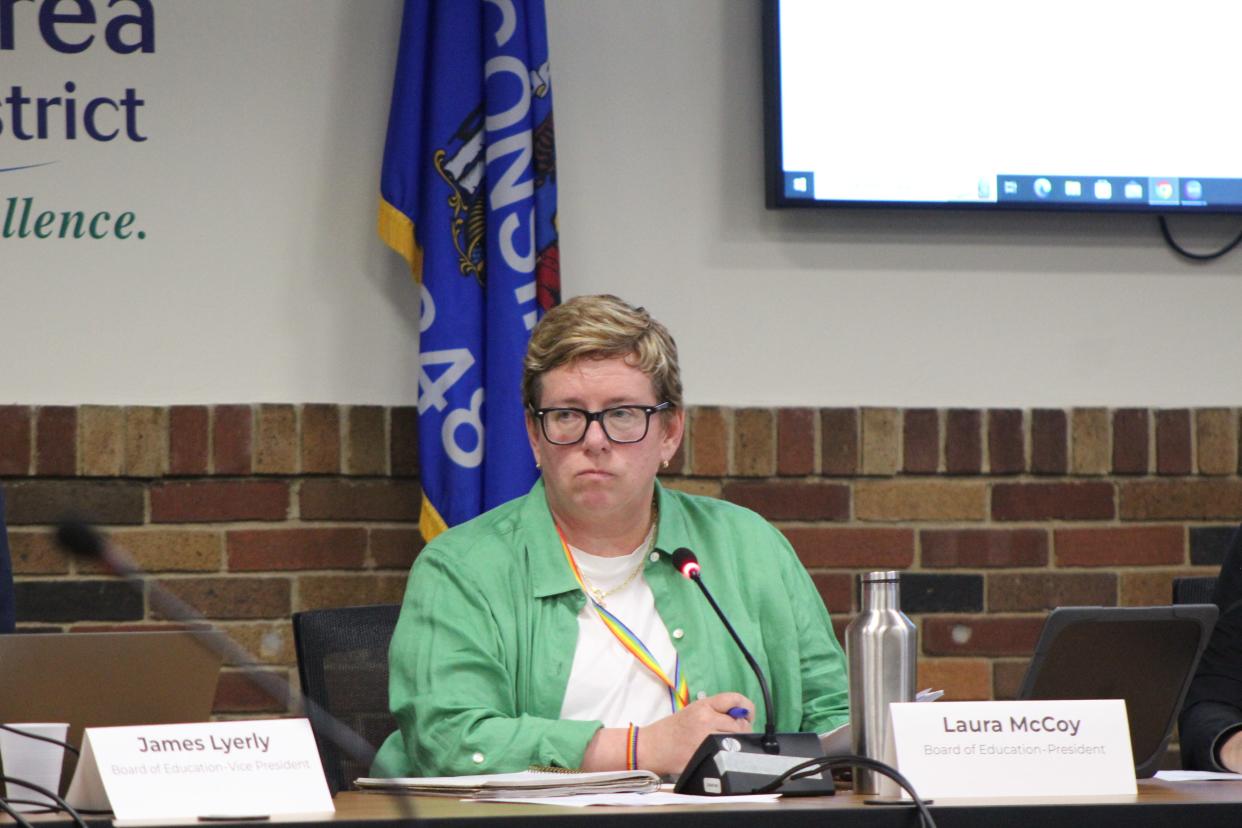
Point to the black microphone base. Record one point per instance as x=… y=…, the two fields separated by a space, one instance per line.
x=729 y=764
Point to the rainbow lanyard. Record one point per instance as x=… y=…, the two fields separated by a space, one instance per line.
x=678 y=690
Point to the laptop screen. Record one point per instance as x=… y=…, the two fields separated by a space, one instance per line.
x=108 y=678
x=1144 y=655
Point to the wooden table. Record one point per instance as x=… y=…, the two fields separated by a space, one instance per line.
x=1157 y=805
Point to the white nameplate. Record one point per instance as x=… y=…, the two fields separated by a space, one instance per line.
x=252 y=768
x=1019 y=748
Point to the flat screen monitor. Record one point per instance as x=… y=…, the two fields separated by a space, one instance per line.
x=1088 y=105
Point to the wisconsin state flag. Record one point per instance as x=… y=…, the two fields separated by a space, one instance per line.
x=468 y=197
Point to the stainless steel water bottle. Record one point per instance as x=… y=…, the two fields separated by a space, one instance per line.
x=881 y=645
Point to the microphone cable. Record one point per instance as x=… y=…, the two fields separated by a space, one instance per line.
x=39 y=738
x=82 y=540
x=14 y=813
x=46 y=806
x=1195 y=257
x=63 y=805
x=814 y=766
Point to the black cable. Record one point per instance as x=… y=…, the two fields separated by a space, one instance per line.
x=44 y=807
x=13 y=812
x=40 y=806
x=65 y=806
x=1196 y=257
x=814 y=766
x=53 y=808
x=39 y=738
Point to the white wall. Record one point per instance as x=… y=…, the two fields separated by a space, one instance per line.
x=261 y=278
x=659 y=136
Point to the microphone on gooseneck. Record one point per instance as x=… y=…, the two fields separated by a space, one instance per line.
x=744 y=763
x=688 y=565
x=83 y=541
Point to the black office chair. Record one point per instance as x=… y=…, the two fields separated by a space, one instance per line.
x=343 y=666
x=1195 y=590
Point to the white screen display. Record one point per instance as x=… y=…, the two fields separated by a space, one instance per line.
x=1094 y=104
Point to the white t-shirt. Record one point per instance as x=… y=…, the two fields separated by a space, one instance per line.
x=606 y=683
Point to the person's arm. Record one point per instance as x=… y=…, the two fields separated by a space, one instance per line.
x=1228 y=750
x=666 y=745
x=452 y=682
x=1212 y=712
x=453 y=696
x=1211 y=737
x=825 y=686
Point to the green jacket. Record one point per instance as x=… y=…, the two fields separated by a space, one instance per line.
x=483 y=648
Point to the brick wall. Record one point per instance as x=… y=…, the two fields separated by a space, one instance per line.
x=248 y=512
x=253 y=512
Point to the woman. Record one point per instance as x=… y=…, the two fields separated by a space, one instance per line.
x=555 y=631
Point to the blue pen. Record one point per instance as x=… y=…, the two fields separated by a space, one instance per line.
x=739 y=712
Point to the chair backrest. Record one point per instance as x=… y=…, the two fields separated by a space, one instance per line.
x=343 y=665
x=1196 y=590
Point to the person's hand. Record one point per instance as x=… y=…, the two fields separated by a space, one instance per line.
x=1231 y=753
x=666 y=745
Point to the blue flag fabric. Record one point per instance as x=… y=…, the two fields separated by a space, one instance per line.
x=468 y=197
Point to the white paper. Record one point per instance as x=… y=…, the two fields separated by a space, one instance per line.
x=641 y=800
x=523 y=784
x=1197 y=776
x=518 y=779
x=839 y=740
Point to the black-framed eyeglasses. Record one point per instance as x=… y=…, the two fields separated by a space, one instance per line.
x=621 y=423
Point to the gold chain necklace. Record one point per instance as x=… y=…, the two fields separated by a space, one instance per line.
x=600 y=594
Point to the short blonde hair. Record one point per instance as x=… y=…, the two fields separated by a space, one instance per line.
x=601 y=327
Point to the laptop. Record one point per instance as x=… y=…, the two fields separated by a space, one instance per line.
x=1144 y=655
x=108 y=678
